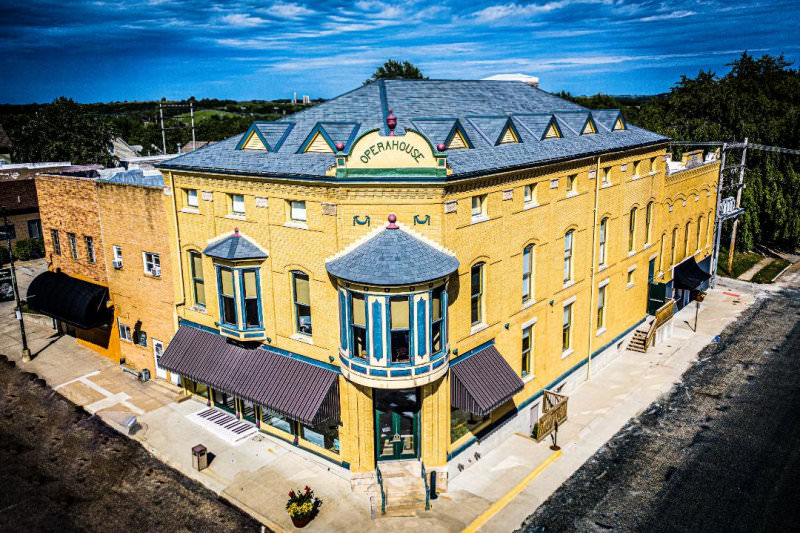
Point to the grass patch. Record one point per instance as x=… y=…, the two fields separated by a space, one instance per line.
x=766 y=274
x=204 y=114
x=742 y=262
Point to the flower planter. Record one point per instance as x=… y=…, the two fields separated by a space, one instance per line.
x=300 y=522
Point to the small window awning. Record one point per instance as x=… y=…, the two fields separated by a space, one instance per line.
x=77 y=302
x=482 y=382
x=688 y=275
x=293 y=388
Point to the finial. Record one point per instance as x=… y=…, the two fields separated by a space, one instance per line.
x=441 y=147
x=392 y=221
x=339 y=146
x=236 y=232
x=391 y=122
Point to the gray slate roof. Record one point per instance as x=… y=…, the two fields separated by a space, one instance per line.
x=414 y=102
x=234 y=247
x=135 y=177
x=393 y=257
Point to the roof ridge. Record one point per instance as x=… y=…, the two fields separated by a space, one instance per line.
x=426 y=240
x=356 y=243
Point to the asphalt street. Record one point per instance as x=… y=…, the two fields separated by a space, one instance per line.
x=720 y=452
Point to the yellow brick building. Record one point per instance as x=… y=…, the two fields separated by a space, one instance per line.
x=399 y=273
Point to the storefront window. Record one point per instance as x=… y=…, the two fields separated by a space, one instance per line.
x=325 y=435
x=278 y=421
x=462 y=422
x=193 y=387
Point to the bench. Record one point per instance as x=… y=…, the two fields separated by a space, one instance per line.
x=143 y=375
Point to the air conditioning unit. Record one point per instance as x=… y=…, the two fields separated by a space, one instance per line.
x=117 y=263
x=156 y=271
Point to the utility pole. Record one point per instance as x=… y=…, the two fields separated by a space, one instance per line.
x=717 y=221
x=191 y=113
x=163 y=133
x=26 y=353
x=738 y=203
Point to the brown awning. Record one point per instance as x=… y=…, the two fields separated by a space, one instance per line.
x=291 y=387
x=482 y=382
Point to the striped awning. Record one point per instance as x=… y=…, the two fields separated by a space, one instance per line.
x=482 y=382
x=291 y=387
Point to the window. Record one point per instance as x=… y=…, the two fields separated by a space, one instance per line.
x=139 y=337
x=699 y=226
x=237 y=204
x=227 y=298
x=437 y=317
x=572 y=184
x=476 y=293
x=90 y=249
x=648 y=222
x=686 y=239
x=527 y=341
x=709 y=225
x=198 y=282
x=191 y=198
x=324 y=435
x=674 y=245
x=463 y=422
x=631 y=277
x=56 y=241
x=278 y=421
x=124 y=331
x=297 y=210
x=568 y=255
x=566 y=329
x=358 y=325
x=530 y=194
x=601 y=307
x=527 y=273
x=399 y=311
x=73 y=245
x=601 y=252
x=35 y=229
x=661 y=254
x=479 y=207
x=302 y=302
x=250 y=297
x=117 y=259
x=152 y=263
x=653 y=164
x=606 y=176
x=637 y=168
x=632 y=230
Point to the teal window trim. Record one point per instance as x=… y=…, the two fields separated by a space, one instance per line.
x=243 y=299
x=409 y=330
x=298 y=326
x=220 y=297
x=196 y=280
x=352 y=326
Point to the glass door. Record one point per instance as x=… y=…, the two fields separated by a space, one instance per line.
x=396 y=424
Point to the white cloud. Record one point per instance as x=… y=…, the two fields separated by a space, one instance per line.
x=240 y=20
x=668 y=16
x=289 y=10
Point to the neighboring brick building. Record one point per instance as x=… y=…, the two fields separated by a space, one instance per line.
x=111 y=232
x=526 y=242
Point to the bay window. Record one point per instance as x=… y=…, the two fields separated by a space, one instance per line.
x=250 y=297
x=399 y=315
x=437 y=317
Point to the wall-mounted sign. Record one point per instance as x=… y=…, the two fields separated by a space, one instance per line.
x=6 y=289
x=387 y=156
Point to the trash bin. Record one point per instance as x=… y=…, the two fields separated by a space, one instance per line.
x=145 y=375
x=199 y=457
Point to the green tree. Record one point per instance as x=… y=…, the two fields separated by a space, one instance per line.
x=393 y=69
x=62 y=131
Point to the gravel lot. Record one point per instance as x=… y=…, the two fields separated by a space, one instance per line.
x=63 y=470
x=720 y=452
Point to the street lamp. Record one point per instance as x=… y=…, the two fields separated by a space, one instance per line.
x=26 y=352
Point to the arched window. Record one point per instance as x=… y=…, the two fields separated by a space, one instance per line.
x=674 y=246
x=661 y=255
x=301 y=295
x=527 y=273
x=568 y=244
x=476 y=293
x=709 y=236
x=632 y=230
x=601 y=251
x=648 y=222
x=699 y=231
x=686 y=239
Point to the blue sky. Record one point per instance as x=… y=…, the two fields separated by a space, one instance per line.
x=132 y=50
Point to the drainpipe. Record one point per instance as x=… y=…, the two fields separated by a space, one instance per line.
x=174 y=213
x=592 y=269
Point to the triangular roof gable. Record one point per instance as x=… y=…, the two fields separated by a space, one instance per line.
x=270 y=134
x=539 y=125
x=494 y=128
x=234 y=246
x=576 y=122
x=610 y=119
x=331 y=133
x=442 y=130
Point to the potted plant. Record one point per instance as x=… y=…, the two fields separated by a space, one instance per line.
x=700 y=296
x=302 y=506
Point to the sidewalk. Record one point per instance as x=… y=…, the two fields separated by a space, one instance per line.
x=257 y=473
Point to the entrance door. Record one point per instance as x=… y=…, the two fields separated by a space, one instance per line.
x=396 y=424
x=158 y=351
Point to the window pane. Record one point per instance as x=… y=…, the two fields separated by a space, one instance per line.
x=226 y=277
x=476 y=206
x=298 y=210
x=251 y=312
x=191 y=197
x=304 y=319
x=200 y=293
x=325 y=435
x=197 y=265
x=400 y=346
x=358 y=310
x=250 y=288
x=475 y=310
x=360 y=342
x=237 y=201
x=462 y=422
x=399 y=307
x=436 y=336
x=228 y=310
x=437 y=304
x=278 y=421
x=476 y=275
x=301 y=289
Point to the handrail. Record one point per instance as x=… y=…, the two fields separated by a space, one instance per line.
x=380 y=484
x=427 y=489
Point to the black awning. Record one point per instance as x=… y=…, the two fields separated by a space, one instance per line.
x=482 y=382
x=71 y=300
x=294 y=388
x=688 y=275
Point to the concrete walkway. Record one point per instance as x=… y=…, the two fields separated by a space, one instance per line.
x=748 y=274
x=494 y=494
